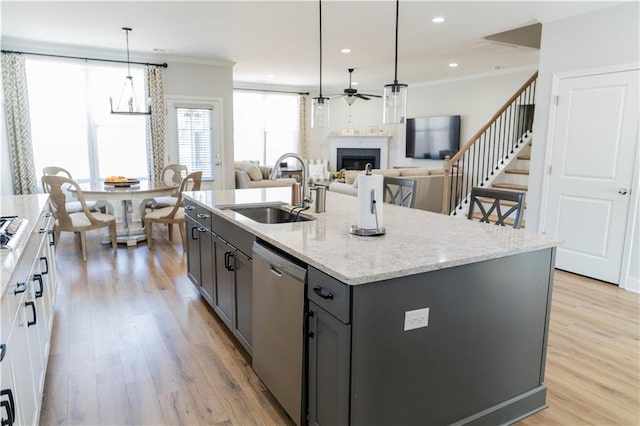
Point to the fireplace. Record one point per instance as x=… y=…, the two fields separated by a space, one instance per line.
x=357 y=158
x=354 y=152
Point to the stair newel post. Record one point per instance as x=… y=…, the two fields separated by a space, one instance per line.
x=446 y=187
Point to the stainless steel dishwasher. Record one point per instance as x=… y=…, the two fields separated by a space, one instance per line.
x=278 y=327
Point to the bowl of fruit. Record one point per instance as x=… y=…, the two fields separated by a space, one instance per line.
x=120 y=181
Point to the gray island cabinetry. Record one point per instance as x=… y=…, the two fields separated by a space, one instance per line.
x=440 y=321
x=219 y=263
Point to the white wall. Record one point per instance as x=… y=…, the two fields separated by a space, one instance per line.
x=475 y=99
x=206 y=82
x=605 y=38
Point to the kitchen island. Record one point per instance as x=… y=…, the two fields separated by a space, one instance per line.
x=440 y=321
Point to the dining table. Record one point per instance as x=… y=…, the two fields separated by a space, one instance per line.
x=127 y=193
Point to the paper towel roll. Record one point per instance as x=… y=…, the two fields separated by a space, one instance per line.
x=367 y=215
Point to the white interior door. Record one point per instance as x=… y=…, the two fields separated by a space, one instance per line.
x=594 y=145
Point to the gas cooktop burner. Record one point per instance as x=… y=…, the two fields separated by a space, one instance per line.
x=11 y=228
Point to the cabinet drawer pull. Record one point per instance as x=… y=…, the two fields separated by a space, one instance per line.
x=203 y=216
x=3 y=351
x=228 y=258
x=193 y=236
x=42 y=230
x=20 y=288
x=53 y=237
x=311 y=335
x=189 y=207
x=38 y=278
x=33 y=309
x=10 y=406
x=46 y=265
x=318 y=290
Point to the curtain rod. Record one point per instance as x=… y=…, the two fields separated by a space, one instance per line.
x=271 y=91
x=163 y=65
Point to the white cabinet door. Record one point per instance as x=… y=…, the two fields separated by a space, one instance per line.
x=593 y=152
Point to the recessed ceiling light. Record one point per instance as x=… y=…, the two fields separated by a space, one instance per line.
x=355 y=83
x=453 y=64
x=270 y=76
x=437 y=20
x=346 y=50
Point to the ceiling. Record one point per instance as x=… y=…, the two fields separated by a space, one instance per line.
x=277 y=42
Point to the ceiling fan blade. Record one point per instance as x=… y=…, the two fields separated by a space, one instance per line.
x=358 y=95
x=372 y=96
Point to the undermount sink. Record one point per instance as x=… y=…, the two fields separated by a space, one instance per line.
x=271 y=214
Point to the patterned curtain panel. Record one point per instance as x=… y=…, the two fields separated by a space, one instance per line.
x=14 y=81
x=156 y=126
x=303 y=148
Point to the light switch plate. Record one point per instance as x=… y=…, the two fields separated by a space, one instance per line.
x=417 y=318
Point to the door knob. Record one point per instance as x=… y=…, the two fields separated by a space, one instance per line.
x=622 y=191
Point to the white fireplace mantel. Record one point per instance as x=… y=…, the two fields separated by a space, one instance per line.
x=363 y=142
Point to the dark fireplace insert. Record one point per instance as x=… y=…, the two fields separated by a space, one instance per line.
x=357 y=158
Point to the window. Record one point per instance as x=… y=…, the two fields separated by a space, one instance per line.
x=71 y=123
x=194 y=125
x=265 y=126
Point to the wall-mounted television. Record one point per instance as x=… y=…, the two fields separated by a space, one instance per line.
x=433 y=137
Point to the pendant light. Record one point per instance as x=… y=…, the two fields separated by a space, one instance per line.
x=320 y=105
x=128 y=102
x=395 y=94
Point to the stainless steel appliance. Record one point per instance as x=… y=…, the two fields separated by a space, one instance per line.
x=278 y=327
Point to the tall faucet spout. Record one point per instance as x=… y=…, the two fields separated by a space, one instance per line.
x=306 y=194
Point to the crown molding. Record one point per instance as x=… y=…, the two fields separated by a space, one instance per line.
x=110 y=54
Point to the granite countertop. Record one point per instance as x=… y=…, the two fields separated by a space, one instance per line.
x=29 y=207
x=416 y=241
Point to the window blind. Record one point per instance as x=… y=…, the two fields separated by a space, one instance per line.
x=195 y=139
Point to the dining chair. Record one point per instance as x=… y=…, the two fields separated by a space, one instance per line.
x=497 y=200
x=172 y=174
x=399 y=191
x=101 y=206
x=77 y=222
x=173 y=215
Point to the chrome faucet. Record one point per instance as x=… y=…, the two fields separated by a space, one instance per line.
x=306 y=195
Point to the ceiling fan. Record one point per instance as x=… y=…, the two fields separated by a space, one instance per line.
x=352 y=94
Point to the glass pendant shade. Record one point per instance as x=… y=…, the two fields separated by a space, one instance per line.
x=320 y=112
x=395 y=103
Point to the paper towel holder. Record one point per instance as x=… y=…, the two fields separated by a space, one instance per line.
x=378 y=230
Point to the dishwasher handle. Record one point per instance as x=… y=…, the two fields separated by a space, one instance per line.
x=278 y=263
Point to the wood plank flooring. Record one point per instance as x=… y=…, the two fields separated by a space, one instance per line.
x=134 y=343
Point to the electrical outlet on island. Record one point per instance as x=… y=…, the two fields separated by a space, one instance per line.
x=417 y=318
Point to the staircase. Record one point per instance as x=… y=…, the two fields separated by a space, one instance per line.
x=514 y=177
x=497 y=156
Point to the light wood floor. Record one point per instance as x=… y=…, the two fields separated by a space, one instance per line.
x=133 y=343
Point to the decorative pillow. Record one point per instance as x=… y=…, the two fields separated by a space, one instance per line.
x=252 y=170
x=316 y=170
x=351 y=175
x=265 y=171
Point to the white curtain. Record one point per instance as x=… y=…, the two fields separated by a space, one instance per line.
x=14 y=81
x=156 y=130
x=303 y=148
